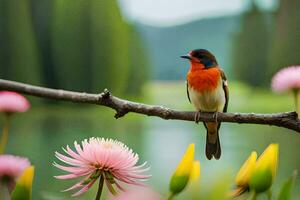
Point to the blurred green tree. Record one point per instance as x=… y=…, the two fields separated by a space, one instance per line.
x=84 y=45
x=110 y=47
x=251 y=47
x=70 y=44
x=19 y=52
x=42 y=18
x=285 y=49
x=4 y=72
x=139 y=68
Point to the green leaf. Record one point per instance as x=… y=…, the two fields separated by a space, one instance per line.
x=23 y=187
x=21 y=193
x=261 y=180
x=286 y=189
x=178 y=183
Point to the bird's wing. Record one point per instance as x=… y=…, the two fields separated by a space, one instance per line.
x=225 y=88
x=187 y=92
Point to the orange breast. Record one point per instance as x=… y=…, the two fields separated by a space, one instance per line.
x=204 y=79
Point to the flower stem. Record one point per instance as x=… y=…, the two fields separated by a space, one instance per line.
x=171 y=196
x=252 y=195
x=100 y=188
x=269 y=194
x=4 y=193
x=297 y=99
x=4 y=136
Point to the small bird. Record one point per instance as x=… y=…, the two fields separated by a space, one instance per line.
x=207 y=90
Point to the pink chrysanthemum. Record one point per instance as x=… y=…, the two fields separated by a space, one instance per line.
x=286 y=79
x=138 y=194
x=13 y=102
x=11 y=167
x=108 y=159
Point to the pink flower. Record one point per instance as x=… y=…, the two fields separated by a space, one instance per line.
x=286 y=79
x=11 y=167
x=104 y=158
x=138 y=194
x=13 y=102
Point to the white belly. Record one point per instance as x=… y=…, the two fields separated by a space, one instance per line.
x=208 y=101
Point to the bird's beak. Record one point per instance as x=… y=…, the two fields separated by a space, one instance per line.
x=186 y=57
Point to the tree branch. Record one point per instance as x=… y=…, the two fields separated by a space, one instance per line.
x=287 y=120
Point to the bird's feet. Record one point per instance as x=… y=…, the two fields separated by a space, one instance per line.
x=215 y=116
x=197 y=117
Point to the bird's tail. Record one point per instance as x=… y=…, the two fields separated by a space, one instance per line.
x=213 y=148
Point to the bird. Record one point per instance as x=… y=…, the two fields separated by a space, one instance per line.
x=207 y=90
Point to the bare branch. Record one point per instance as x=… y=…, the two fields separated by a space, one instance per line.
x=287 y=120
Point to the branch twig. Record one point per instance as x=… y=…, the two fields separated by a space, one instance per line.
x=287 y=120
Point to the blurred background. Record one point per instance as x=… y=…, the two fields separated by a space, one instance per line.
x=132 y=47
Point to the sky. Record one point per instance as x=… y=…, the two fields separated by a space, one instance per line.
x=173 y=12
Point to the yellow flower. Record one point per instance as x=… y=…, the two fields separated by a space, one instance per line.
x=23 y=187
x=186 y=164
x=265 y=169
x=195 y=174
x=184 y=171
x=258 y=174
x=243 y=176
x=27 y=177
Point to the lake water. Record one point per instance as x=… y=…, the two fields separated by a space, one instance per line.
x=40 y=132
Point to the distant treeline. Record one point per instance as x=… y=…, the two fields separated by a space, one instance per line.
x=82 y=45
x=250 y=46
x=267 y=42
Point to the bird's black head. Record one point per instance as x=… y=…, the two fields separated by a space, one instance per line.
x=202 y=56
